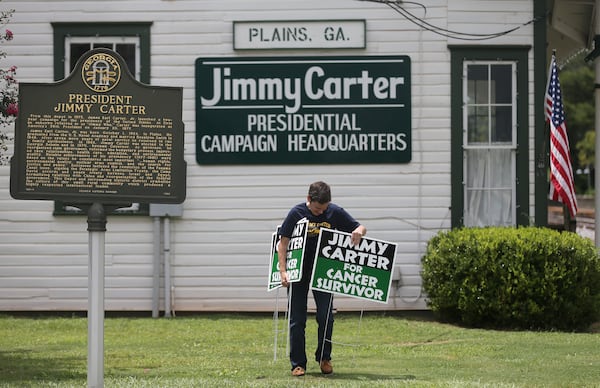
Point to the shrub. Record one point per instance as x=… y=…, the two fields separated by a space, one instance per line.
x=514 y=278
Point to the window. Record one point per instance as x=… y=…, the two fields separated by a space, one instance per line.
x=489 y=137
x=130 y=40
x=488 y=144
x=127 y=47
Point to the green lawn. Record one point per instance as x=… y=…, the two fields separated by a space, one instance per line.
x=233 y=350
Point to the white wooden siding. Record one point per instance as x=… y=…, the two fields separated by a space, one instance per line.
x=219 y=248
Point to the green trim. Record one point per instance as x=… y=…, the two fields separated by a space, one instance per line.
x=62 y=30
x=508 y=53
x=540 y=70
x=456 y=140
x=141 y=29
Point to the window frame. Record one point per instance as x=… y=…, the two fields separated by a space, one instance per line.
x=138 y=29
x=489 y=104
x=103 y=39
x=460 y=55
x=490 y=145
x=63 y=32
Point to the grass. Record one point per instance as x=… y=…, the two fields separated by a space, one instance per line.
x=237 y=350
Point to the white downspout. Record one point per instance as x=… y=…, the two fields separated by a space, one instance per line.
x=597 y=126
x=161 y=214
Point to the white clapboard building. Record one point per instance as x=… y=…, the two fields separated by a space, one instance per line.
x=422 y=116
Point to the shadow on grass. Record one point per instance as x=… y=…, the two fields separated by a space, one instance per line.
x=24 y=366
x=361 y=376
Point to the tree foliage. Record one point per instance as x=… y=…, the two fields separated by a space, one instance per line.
x=577 y=84
x=8 y=90
x=586 y=149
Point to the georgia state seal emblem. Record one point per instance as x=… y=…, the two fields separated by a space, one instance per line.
x=101 y=72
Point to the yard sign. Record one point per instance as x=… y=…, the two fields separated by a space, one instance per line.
x=295 y=254
x=363 y=271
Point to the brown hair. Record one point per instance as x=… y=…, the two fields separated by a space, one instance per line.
x=319 y=192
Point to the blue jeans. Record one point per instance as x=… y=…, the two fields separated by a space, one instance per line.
x=298 y=306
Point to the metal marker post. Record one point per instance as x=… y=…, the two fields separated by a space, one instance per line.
x=167 y=255
x=96 y=228
x=156 y=270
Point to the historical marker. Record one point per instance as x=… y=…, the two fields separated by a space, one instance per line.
x=99 y=135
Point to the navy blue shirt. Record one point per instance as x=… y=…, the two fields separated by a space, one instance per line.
x=335 y=217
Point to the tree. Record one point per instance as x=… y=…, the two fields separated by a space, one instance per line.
x=577 y=83
x=586 y=153
x=8 y=91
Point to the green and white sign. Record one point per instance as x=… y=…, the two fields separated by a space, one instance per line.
x=363 y=271
x=303 y=110
x=295 y=254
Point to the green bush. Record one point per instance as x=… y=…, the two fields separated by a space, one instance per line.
x=513 y=278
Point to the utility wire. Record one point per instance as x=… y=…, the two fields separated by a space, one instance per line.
x=397 y=6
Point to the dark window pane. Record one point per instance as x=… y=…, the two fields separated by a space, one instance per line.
x=103 y=45
x=127 y=51
x=477 y=76
x=478 y=125
x=501 y=84
x=502 y=124
x=77 y=50
x=477 y=72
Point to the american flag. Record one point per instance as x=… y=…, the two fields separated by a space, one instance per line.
x=562 y=185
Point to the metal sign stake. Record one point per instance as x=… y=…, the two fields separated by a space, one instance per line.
x=97 y=229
